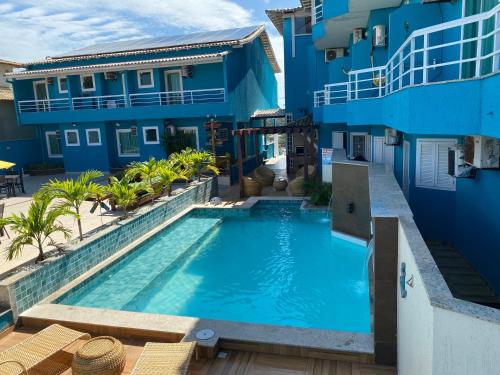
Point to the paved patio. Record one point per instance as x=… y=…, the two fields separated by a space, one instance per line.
x=21 y=202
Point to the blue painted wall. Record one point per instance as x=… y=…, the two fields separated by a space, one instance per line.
x=21 y=152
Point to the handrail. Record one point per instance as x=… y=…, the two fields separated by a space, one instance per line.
x=418 y=62
x=200 y=96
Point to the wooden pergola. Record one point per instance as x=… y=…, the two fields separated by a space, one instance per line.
x=302 y=126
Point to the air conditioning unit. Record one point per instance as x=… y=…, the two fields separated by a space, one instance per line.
x=334 y=53
x=110 y=75
x=482 y=152
x=392 y=137
x=358 y=35
x=457 y=167
x=187 y=71
x=378 y=36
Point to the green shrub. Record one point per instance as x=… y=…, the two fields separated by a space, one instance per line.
x=319 y=192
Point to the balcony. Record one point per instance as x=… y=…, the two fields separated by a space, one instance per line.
x=434 y=64
x=170 y=104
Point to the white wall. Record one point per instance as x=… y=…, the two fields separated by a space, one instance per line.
x=437 y=341
x=415 y=318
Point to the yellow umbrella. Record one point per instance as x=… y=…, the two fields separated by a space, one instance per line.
x=6 y=164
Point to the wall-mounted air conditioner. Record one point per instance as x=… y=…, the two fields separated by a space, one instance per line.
x=187 y=71
x=334 y=53
x=482 y=152
x=358 y=35
x=457 y=167
x=378 y=36
x=110 y=75
x=392 y=137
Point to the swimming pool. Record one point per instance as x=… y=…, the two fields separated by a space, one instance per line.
x=271 y=264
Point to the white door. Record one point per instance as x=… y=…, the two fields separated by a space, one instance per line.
x=40 y=90
x=381 y=152
x=389 y=155
x=361 y=146
x=406 y=170
x=338 y=140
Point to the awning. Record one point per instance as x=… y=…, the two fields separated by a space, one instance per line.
x=268 y=113
x=6 y=164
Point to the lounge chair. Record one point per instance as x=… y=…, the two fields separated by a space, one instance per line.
x=264 y=176
x=165 y=359
x=36 y=349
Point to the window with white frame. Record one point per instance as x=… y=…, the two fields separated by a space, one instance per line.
x=150 y=134
x=302 y=25
x=432 y=164
x=72 y=137
x=127 y=142
x=88 y=82
x=54 y=148
x=62 y=83
x=145 y=78
x=93 y=137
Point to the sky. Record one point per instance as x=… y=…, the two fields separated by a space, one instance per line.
x=33 y=29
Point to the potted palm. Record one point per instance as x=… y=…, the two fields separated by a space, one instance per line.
x=72 y=193
x=124 y=193
x=36 y=227
x=167 y=174
x=147 y=171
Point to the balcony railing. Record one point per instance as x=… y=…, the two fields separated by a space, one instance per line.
x=47 y=105
x=424 y=59
x=178 y=97
x=100 y=102
x=317 y=13
x=121 y=101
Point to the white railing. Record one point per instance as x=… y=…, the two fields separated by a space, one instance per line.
x=178 y=97
x=318 y=13
x=424 y=59
x=47 y=105
x=100 y=102
x=121 y=101
x=319 y=98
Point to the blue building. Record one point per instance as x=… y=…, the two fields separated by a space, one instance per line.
x=415 y=85
x=107 y=105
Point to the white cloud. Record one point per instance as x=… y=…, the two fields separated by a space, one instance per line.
x=33 y=29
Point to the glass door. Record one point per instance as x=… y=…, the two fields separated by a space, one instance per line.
x=40 y=89
x=173 y=84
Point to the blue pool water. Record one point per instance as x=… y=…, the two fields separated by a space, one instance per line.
x=274 y=266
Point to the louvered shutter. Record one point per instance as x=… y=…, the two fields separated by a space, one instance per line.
x=443 y=179
x=425 y=164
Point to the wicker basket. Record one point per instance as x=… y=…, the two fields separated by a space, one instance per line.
x=251 y=187
x=264 y=176
x=280 y=185
x=296 y=187
x=103 y=355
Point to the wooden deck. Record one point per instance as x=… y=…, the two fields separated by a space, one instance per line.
x=228 y=362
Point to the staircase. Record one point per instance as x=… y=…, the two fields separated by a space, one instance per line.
x=462 y=279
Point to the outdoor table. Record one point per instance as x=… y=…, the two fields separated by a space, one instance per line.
x=11 y=182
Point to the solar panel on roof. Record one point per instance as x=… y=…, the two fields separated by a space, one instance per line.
x=165 y=41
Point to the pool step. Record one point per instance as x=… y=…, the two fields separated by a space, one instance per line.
x=151 y=260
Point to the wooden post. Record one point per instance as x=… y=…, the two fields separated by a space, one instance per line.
x=257 y=146
x=306 y=154
x=288 y=151
x=214 y=138
x=240 y=163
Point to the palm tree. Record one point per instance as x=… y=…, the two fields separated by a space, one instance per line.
x=167 y=174
x=146 y=170
x=124 y=192
x=203 y=162
x=184 y=161
x=36 y=227
x=73 y=193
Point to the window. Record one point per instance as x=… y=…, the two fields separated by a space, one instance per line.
x=54 y=149
x=145 y=78
x=288 y=118
x=88 y=83
x=361 y=146
x=93 y=137
x=63 y=84
x=432 y=164
x=72 y=138
x=150 y=134
x=127 y=142
x=189 y=135
x=302 y=25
